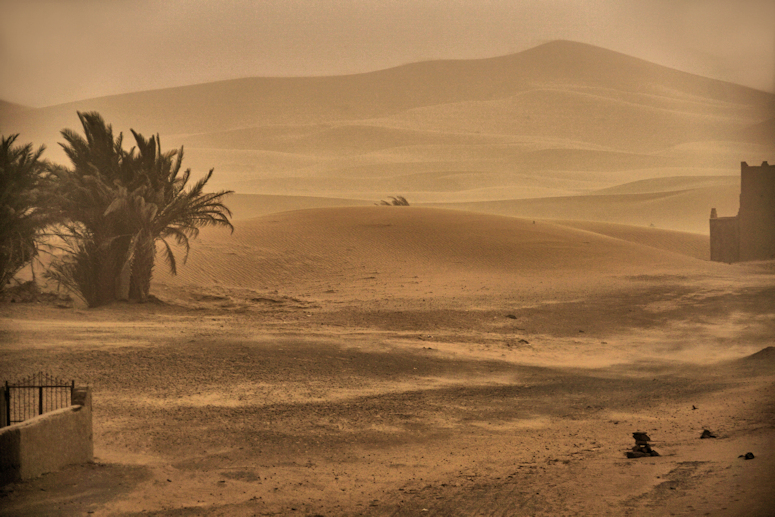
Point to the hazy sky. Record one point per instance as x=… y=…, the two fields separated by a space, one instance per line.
x=55 y=51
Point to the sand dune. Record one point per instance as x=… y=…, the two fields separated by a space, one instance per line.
x=683 y=210
x=672 y=184
x=289 y=359
x=240 y=103
x=680 y=203
x=566 y=68
x=8 y=109
x=383 y=251
x=522 y=164
x=684 y=243
x=553 y=124
x=577 y=117
x=762 y=133
x=250 y=206
x=527 y=300
x=317 y=139
x=439 y=185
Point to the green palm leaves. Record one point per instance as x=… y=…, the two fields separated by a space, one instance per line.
x=115 y=206
x=22 y=220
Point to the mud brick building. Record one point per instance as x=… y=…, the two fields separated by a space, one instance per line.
x=751 y=234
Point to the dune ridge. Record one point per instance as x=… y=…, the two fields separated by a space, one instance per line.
x=378 y=251
x=559 y=123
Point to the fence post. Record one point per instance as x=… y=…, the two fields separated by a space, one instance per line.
x=5 y=407
x=23 y=400
x=7 y=404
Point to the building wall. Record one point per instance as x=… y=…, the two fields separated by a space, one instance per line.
x=48 y=442
x=757 y=212
x=724 y=240
x=750 y=235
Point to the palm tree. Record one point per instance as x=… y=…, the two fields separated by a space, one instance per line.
x=22 y=218
x=161 y=209
x=119 y=204
x=93 y=243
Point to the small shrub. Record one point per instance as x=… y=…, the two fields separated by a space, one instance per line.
x=395 y=201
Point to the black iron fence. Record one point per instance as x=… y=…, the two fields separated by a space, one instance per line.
x=34 y=395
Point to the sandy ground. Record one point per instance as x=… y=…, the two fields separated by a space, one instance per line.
x=379 y=396
x=333 y=358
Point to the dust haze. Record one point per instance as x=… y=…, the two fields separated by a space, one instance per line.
x=488 y=349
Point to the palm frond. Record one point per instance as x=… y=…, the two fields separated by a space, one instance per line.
x=124 y=202
x=23 y=205
x=169 y=257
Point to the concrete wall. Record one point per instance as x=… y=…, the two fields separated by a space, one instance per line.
x=48 y=442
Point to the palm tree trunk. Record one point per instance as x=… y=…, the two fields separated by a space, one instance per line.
x=142 y=269
x=109 y=270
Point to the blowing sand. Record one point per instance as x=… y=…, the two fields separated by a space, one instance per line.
x=487 y=351
x=417 y=361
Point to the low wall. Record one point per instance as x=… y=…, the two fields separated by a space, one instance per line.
x=48 y=442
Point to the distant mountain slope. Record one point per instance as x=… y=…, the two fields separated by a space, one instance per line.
x=251 y=102
x=762 y=133
x=556 y=122
x=7 y=109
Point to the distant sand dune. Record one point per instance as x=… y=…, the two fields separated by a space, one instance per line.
x=324 y=139
x=762 y=133
x=683 y=210
x=385 y=251
x=689 y=244
x=679 y=203
x=673 y=183
x=561 y=131
x=576 y=116
x=250 y=206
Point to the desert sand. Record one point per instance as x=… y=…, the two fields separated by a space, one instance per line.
x=402 y=361
x=488 y=350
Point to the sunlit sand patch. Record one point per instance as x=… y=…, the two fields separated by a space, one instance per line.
x=259 y=395
x=537 y=422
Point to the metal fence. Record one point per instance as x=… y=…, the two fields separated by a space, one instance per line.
x=34 y=395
